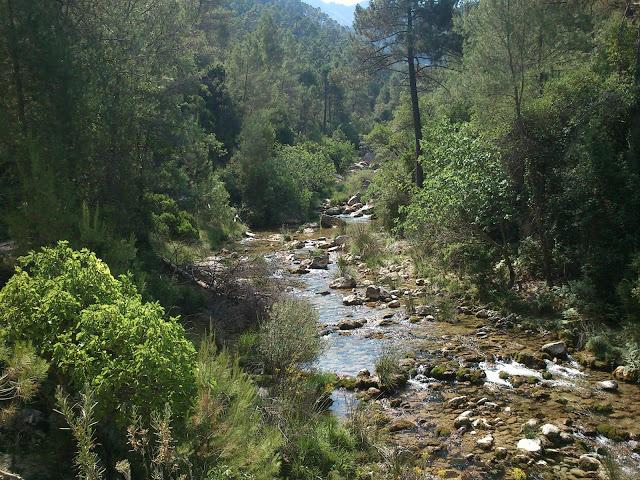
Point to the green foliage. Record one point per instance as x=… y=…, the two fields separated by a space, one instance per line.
x=289 y=336
x=81 y=420
x=168 y=221
x=323 y=450
x=366 y=242
x=22 y=372
x=464 y=210
x=96 y=330
x=388 y=368
x=340 y=150
x=279 y=183
x=227 y=432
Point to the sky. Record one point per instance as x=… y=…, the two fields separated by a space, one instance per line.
x=343 y=2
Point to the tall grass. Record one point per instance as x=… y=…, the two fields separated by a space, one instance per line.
x=366 y=242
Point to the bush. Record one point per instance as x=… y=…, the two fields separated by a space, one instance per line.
x=388 y=368
x=95 y=329
x=365 y=242
x=289 y=336
x=168 y=220
x=227 y=430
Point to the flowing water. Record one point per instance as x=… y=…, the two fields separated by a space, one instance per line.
x=348 y=352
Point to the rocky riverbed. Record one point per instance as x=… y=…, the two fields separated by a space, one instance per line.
x=485 y=396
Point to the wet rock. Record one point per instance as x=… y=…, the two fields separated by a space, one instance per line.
x=300 y=269
x=530 y=361
x=334 y=211
x=589 y=463
x=486 y=442
x=357 y=198
x=463 y=420
x=352 y=300
x=608 y=385
x=399 y=424
x=457 y=402
x=394 y=304
x=349 y=324
x=343 y=283
x=555 y=349
x=531 y=445
x=319 y=262
x=330 y=221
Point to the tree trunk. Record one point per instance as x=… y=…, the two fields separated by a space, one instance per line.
x=415 y=105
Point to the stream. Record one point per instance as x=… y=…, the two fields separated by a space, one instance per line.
x=511 y=395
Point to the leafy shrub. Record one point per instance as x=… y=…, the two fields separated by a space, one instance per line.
x=168 y=220
x=463 y=211
x=278 y=183
x=289 y=336
x=95 y=329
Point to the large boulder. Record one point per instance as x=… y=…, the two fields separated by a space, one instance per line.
x=329 y=221
x=626 y=374
x=555 y=349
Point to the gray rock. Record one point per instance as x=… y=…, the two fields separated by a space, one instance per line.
x=589 y=463
x=343 y=283
x=608 y=385
x=486 y=442
x=352 y=300
x=463 y=420
x=555 y=349
x=319 y=262
x=531 y=445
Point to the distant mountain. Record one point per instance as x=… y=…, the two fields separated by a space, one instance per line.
x=343 y=14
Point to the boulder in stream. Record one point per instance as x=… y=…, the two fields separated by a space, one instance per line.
x=555 y=349
x=352 y=300
x=343 y=283
x=329 y=221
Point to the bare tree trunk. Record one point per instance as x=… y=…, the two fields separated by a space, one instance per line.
x=415 y=105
